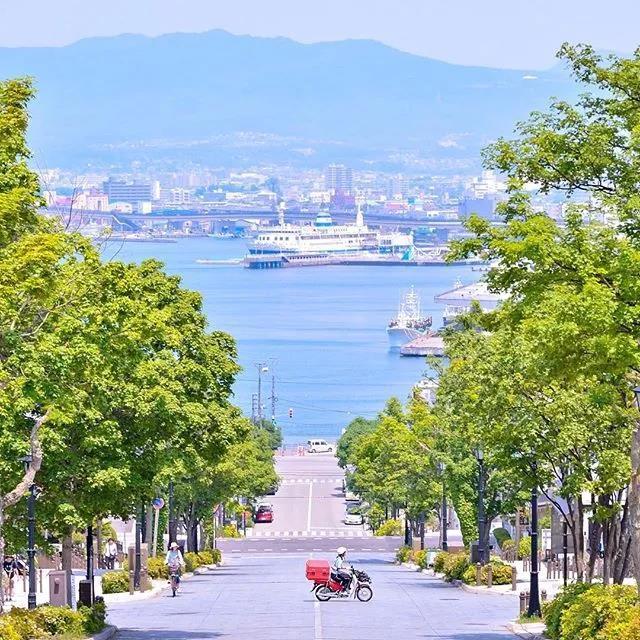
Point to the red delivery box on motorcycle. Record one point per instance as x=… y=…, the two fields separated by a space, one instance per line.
x=318 y=570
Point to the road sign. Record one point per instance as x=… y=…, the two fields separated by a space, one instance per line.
x=157 y=503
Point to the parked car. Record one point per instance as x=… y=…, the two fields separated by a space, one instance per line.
x=264 y=514
x=319 y=446
x=350 y=496
x=272 y=490
x=354 y=515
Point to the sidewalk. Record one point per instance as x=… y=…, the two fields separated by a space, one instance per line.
x=21 y=589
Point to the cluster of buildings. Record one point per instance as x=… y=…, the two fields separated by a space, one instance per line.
x=337 y=187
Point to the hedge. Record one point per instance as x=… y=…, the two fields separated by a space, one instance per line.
x=389 y=528
x=118 y=581
x=592 y=610
x=552 y=611
x=455 y=565
x=439 y=560
x=115 y=581
x=404 y=554
x=501 y=573
x=585 y=611
x=47 y=621
x=626 y=626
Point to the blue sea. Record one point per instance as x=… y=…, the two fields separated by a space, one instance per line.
x=320 y=330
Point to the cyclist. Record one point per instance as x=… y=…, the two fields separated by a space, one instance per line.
x=174 y=560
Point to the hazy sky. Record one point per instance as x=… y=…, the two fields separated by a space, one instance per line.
x=504 y=33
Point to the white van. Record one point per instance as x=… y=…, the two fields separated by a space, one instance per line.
x=319 y=446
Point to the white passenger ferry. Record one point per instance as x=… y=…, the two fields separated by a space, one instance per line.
x=323 y=237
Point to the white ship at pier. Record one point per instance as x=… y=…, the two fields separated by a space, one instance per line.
x=323 y=237
x=409 y=323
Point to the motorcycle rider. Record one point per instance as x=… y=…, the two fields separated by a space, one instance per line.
x=341 y=568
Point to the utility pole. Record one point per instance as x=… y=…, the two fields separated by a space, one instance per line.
x=273 y=397
x=254 y=408
x=262 y=368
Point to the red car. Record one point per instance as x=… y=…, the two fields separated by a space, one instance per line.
x=264 y=514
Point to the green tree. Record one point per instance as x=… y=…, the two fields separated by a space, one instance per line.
x=357 y=428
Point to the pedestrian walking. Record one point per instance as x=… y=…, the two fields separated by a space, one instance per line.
x=110 y=554
x=9 y=572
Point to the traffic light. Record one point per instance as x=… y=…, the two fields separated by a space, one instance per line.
x=291 y=413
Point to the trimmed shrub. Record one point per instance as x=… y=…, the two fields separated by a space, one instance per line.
x=501 y=573
x=206 y=557
x=552 y=611
x=47 y=621
x=524 y=548
x=420 y=558
x=115 y=581
x=157 y=569
x=217 y=556
x=59 y=620
x=403 y=554
x=94 y=618
x=439 y=560
x=7 y=632
x=592 y=610
x=24 y=623
x=390 y=528
x=455 y=565
x=191 y=561
x=230 y=531
x=626 y=626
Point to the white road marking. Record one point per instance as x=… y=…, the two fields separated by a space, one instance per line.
x=309 y=512
x=317 y=622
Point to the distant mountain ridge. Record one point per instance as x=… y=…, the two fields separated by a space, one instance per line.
x=101 y=95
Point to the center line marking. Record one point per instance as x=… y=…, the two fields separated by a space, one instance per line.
x=309 y=511
x=317 y=621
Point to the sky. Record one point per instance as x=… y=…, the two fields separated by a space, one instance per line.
x=522 y=34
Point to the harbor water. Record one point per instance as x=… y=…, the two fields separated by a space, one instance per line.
x=320 y=330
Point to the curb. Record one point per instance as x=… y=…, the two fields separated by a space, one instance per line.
x=106 y=634
x=469 y=588
x=525 y=631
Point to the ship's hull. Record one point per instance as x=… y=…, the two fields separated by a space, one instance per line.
x=399 y=336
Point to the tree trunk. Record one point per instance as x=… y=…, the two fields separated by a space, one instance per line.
x=575 y=518
x=634 y=503
x=148 y=538
x=67 y=550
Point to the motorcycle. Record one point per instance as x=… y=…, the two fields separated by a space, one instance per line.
x=359 y=587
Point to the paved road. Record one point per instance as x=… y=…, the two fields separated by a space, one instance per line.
x=266 y=597
x=309 y=510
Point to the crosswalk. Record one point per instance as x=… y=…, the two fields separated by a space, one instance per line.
x=313 y=533
x=334 y=481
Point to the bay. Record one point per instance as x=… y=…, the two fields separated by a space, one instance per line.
x=320 y=330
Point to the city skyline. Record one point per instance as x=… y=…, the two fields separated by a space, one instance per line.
x=473 y=34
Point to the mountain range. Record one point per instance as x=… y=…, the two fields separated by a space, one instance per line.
x=214 y=93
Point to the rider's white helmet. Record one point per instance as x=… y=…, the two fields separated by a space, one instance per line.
x=341 y=551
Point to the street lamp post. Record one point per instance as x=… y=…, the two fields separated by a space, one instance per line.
x=481 y=515
x=31 y=535
x=173 y=529
x=444 y=522
x=534 y=598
